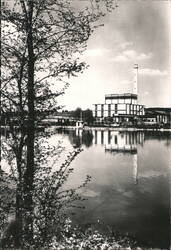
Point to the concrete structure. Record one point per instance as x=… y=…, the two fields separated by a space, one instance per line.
x=120 y=107
x=135 y=82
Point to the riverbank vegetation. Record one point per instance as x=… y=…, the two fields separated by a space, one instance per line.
x=75 y=237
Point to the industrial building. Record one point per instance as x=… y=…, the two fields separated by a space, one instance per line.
x=158 y=115
x=120 y=107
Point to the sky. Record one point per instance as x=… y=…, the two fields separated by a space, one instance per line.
x=135 y=32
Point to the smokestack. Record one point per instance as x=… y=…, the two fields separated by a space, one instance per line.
x=135 y=81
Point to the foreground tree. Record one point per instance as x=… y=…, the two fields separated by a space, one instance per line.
x=41 y=44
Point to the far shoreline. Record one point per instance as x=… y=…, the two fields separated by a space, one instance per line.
x=132 y=129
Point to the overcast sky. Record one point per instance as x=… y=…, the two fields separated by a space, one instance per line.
x=136 y=32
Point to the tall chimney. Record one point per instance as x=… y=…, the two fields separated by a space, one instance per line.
x=135 y=81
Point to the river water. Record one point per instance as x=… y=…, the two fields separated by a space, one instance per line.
x=129 y=190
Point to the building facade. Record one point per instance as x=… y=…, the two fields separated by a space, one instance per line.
x=158 y=115
x=119 y=107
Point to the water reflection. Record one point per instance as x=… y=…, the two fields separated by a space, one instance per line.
x=118 y=142
x=117 y=161
x=125 y=143
x=78 y=137
x=115 y=141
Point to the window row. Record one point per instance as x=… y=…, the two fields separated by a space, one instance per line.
x=116 y=107
x=119 y=101
x=112 y=114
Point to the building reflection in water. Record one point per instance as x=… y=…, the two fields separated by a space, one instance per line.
x=135 y=168
x=121 y=142
x=80 y=137
x=114 y=142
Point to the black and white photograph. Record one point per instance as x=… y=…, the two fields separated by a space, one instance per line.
x=85 y=124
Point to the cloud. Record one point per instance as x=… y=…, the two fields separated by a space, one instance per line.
x=131 y=55
x=125 y=82
x=120 y=58
x=146 y=93
x=126 y=45
x=95 y=52
x=152 y=72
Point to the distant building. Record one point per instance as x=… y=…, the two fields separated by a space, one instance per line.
x=60 y=118
x=158 y=115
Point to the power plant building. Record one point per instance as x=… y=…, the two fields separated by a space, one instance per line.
x=120 y=107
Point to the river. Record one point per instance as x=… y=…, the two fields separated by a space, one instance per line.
x=129 y=190
x=130 y=187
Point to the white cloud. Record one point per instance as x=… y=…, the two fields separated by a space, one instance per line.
x=126 y=45
x=120 y=58
x=131 y=55
x=125 y=82
x=146 y=93
x=95 y=52
x=152 y=72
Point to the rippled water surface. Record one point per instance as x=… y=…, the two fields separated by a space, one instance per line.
x=129 y=190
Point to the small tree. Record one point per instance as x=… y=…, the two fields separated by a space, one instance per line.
x=88 y=116
x=77 y=113
x=85 y=115
x=51 y=201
